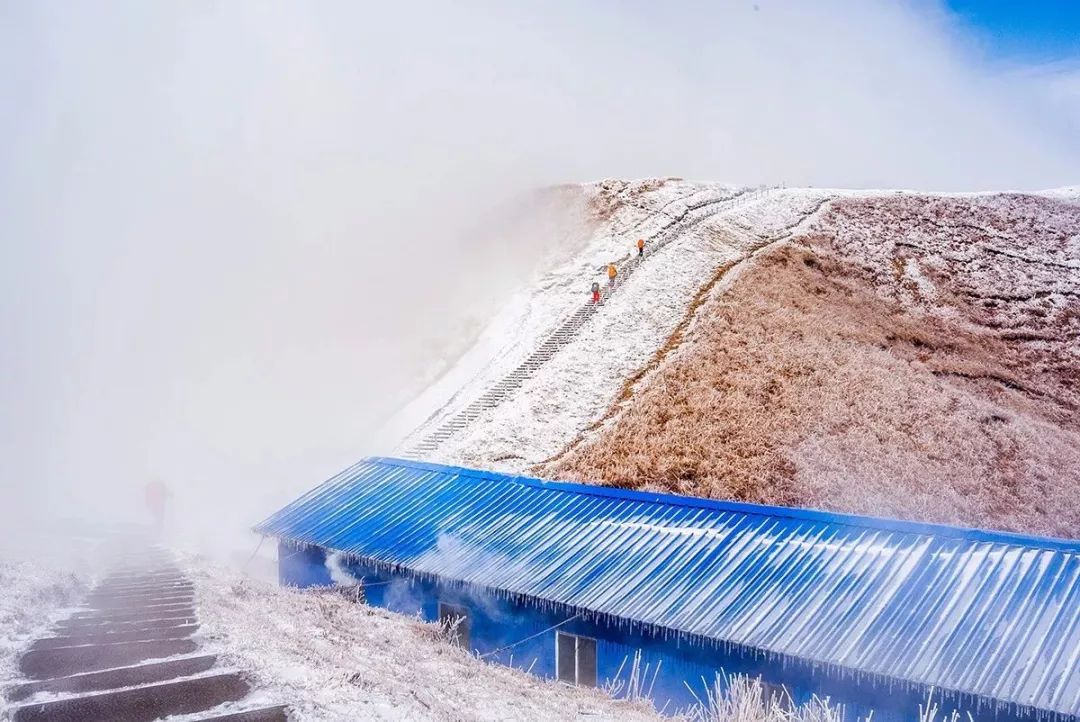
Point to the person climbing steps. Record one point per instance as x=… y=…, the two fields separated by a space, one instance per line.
x=595 y=292
x=641 y=248
x=611 y=273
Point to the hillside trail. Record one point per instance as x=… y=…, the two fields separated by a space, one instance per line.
x=131 y=654
x=566 y=332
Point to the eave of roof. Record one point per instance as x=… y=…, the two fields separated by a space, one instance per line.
x=855 y=520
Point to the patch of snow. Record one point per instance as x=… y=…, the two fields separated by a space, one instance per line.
x=913 y=273
x=330 y=659
x=34 y=596
x=1065 y=193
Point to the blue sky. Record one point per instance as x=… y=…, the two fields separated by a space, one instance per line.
x=1036 y=31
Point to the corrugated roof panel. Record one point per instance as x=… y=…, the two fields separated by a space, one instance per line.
x=988 y=613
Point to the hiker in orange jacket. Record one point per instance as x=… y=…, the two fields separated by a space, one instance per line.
x=611 y=273
x=641 y=248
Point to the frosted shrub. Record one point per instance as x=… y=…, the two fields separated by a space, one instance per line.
x=743 y=699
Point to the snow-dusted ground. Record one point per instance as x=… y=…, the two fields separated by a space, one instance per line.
x=581 y=382
x=531 y=314
x=331 y=658
x=1065 y=193
x=33 y=595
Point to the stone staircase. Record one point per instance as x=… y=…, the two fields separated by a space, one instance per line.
x=130 y=656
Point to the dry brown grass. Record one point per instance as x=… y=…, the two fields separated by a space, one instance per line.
x=610 y=195
x=826 y=376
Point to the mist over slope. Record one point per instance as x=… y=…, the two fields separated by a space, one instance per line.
x=238 y=236
x=563 y=359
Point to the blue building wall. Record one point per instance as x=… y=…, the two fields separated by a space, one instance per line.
x=675 y=669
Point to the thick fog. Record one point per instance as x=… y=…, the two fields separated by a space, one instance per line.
x=237 y=236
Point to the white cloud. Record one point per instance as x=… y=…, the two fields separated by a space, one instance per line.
x=227 y=226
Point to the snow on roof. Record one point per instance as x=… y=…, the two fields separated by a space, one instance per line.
x=989 y=613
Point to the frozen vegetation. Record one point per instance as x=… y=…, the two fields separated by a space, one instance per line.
x=905 y=355
x=32 y=596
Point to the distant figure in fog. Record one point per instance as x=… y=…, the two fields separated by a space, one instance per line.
x=611 y=273
x=156 y=494
x=595 y=292
x=641 y=248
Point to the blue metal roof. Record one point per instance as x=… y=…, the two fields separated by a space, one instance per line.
x=989 y=613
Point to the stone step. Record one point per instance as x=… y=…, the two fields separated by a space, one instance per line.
x=76 y=627
x=135 y=582
x=119 y=615
x=66 y=661
x=115 y=678
x=145 y=577
x=136 y=635
x=106 y=602
x=136 y=586
x=141 y=704
x=144 y=593
x=277 y=713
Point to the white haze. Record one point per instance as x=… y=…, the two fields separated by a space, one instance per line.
x=236 y=236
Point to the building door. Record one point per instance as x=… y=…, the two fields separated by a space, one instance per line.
x=575 y=659
x=455 y=620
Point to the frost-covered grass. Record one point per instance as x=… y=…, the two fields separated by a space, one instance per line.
x=331 y=659
x=913 y=357
x=32 y=596
x=746 y=700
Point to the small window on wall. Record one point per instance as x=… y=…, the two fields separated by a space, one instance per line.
x=455 y=620
x=575 y=659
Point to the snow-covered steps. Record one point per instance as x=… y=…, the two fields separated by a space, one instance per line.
x=131 y=655
x=149 y=634
x=65 y=661
x=116 y=678
x=148 y=702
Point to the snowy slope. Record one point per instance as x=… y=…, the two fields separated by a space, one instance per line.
x=34 y=596
x=575 y=389
x=580 y=383
x=643 y=209
x=1065 y=193
x=332 y=659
